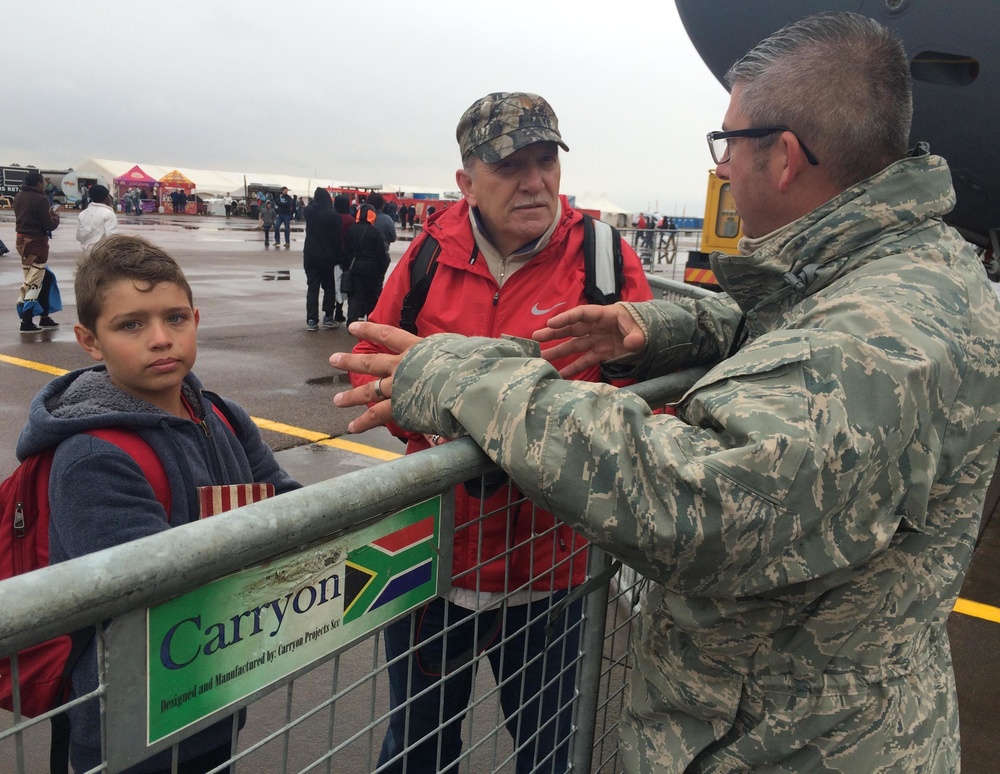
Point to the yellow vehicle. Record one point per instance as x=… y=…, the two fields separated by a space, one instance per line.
x=721 y=232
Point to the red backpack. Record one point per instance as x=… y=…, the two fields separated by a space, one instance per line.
x=43 y=669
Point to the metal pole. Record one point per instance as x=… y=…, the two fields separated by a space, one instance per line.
x=595 y=616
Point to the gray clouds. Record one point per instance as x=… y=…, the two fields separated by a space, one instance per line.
x=368 y=93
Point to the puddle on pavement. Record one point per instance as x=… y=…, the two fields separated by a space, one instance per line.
x=328 y=381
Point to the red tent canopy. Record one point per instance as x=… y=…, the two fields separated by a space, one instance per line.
x=135 y=176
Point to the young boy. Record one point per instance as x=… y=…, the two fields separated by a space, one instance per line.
x=268 y=221
x=136 y=318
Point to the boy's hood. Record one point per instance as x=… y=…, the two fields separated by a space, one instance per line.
x=86 y=400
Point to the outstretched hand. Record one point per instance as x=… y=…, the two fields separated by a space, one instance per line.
x=600 y=333
x=380 y=364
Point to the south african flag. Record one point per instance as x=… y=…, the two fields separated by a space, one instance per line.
x=402 y=563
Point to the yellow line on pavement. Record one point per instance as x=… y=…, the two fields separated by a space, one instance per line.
x=33 y=365
x=325 y=440
x=977 y=610
x=264 y=424
x=360 y=448
x=297 y=432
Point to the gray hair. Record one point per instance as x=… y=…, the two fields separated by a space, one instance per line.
x=841 y=82
x=469 y=164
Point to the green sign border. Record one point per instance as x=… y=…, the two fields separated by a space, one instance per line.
x=227 y=640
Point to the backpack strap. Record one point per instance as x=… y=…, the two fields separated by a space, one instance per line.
x=152 y=469
x=59 y=739
x=144 y=456
x=604 y=268
x=422 y=270
x=223 y=411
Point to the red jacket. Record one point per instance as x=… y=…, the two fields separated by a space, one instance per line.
x=548 y=283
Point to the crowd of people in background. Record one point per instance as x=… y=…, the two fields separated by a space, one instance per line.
x=644 y=236
x=365 y=213
x=644 y=225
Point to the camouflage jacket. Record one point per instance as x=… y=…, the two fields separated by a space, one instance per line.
x=807 y=518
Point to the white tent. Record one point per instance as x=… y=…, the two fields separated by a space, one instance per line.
x=610 y=212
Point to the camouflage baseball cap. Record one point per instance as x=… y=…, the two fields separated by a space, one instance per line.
x=505 y=121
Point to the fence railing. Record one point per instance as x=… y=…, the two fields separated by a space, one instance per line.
x=336 y=706
x=661 y=250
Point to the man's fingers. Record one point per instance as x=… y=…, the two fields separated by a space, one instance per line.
x=581 y=321
x=356 y=397
x=389 y=336
x=378 y=415
x=574 y=330
x=587 y=313
x=566 y=348
x=374 y=363
x=582 y=363
x=369 y=392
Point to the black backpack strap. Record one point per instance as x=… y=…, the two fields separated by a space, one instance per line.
x=223 y=408
x=604 y=270
x=604 y=267
x=422 y=270
x=59 y=740
x=59 y=746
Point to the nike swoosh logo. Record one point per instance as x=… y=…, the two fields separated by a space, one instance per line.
x=536 y=311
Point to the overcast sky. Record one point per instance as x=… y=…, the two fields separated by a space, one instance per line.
x=364 y=92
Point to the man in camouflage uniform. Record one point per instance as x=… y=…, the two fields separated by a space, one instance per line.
x=808 y=516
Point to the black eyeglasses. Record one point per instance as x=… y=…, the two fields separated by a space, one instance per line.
x=718 y=142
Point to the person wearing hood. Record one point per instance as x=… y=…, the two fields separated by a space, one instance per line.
x=806 y=519
x=268 y=220
x=322 y=252
x=35 y=219
x=384 y=223
x=342 y=205
x=98 y=220
x=367 y=264
x=138 y=320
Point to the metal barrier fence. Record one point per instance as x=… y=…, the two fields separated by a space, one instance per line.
x=332 y=712
x=661 y=250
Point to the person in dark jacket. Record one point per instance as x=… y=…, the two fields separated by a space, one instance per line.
x=98 y=495
x=284 y=208
x=368 y=263
x=35 y=219
x=343 y=207
x=384 y=223
x=324 y=249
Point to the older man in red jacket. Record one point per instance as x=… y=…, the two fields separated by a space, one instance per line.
x=511 y=255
